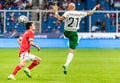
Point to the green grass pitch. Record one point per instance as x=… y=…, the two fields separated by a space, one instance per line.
x=88 y=66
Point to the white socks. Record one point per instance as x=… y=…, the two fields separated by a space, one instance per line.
x=69 y=59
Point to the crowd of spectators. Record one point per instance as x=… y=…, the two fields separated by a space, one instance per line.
x=11 y=17
x=84 y=5
x=62 y=5
x=18 y=4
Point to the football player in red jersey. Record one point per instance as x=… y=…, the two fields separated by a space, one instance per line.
x=25 y=41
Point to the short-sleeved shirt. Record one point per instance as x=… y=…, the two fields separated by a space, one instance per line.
x=25 y=41
x=73 y=19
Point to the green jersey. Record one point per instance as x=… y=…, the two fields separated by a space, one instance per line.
x=73 y=19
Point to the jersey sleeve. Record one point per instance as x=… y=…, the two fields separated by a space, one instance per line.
x=83 y=14
x=31 y=36
x=65 y=14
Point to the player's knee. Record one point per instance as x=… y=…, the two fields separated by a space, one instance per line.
x=38 y=60
x=21 y=65
x=72 y=51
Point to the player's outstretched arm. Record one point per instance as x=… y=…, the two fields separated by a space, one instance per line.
x=92 y=11
x=33 y=44
x=57 y=15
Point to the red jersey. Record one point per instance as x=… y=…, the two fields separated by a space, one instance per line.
x=25 y=41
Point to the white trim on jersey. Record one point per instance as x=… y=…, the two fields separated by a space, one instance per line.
x=20 y=38
x=31 y=39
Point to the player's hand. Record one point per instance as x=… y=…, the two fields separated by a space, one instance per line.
x=97 y=6
x=55 y=9
x=38 y=48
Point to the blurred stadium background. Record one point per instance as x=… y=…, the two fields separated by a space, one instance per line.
x=101 y=30
x=104 y=23
x=105 y=20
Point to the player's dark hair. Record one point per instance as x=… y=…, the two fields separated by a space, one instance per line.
x=28 y=24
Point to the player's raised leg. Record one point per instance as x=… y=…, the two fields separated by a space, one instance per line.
x=35 y=62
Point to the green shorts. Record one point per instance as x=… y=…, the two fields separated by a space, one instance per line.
x=73 y=38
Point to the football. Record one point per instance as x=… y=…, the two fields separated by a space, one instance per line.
x=22 y=19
